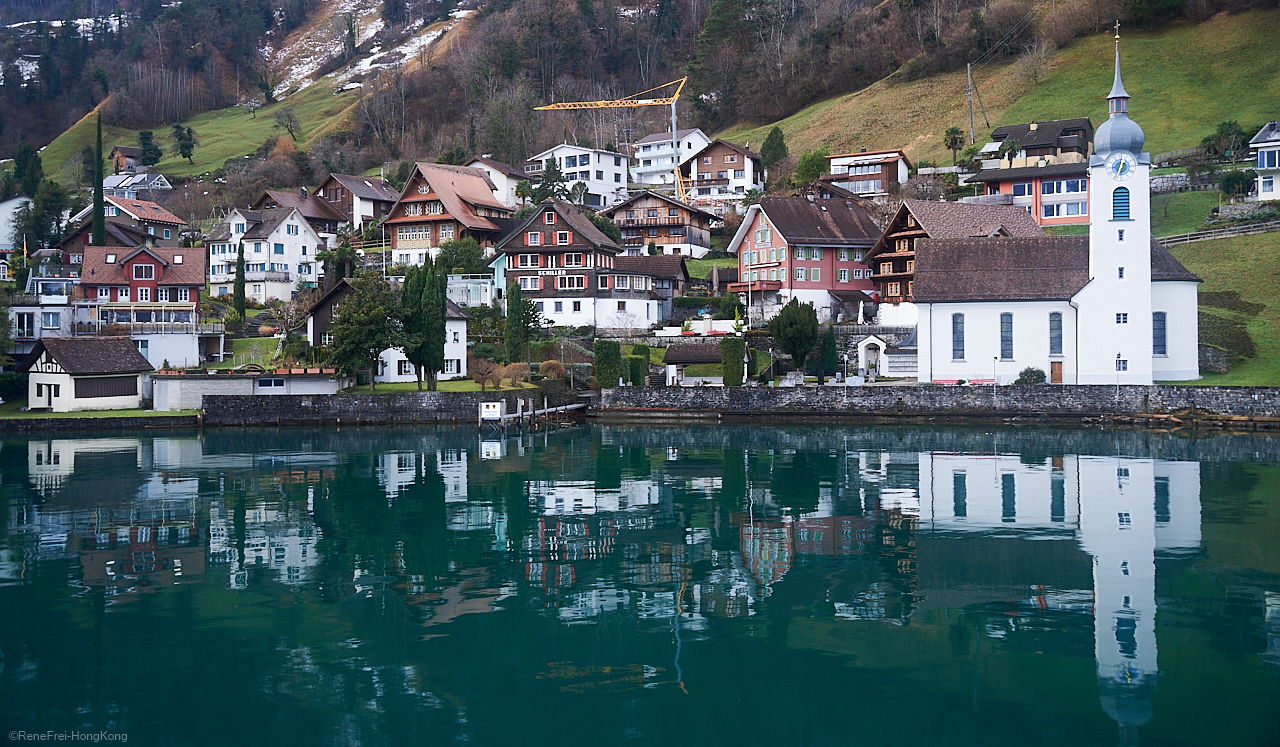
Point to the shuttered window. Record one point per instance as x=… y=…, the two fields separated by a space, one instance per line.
x=107 y=386
x=1120 y=204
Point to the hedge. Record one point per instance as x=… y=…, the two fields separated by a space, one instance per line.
x=731 y=352
x=637 y=368
x=697 y=302
x=608 y=363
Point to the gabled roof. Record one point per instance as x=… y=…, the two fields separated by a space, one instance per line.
x=1045 y=133
x=609 y=212
x=570 y=214
x=126 y=150
x=1165 y=267
x=367 y=187
x=1031 y=172
x=344 y=286
x=1046 y=268
x=89 y=356
x=143 y=210
x=499 y=166
x=962 y=220
x=692 y=352
x=665 y=137
x=669 y=266
x=265 y=221
x=459 y=188
x=1270 y=133
x=737 y=148
x=97 y=271
x=454 y=311
x=311 y=207
x=828 y=222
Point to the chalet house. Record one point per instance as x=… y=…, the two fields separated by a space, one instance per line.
x=653 y=167
x=669 y=273
x=145 y=218
x=723 y=172
x=152 y=294
x=868 y=173
x=131 y=186
x=279 y=252
x=1061 y=141
x=568 y=267
x=124 y=158
x=504 y=177
x=1266 y=147
x=603 y=171
x=811 y=250
x=441 y=203
x=359 y=199
x=84 y=373
x=674 y=227
x=318 y=213
x=893 y=259
x=393 y=366
x=1112 y=307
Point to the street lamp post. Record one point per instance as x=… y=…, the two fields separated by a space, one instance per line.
x=994 y=360
x=1117 y=377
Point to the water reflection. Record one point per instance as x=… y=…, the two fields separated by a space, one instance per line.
x=374 y=583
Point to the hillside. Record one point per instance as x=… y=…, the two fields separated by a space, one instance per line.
x=1183 y=80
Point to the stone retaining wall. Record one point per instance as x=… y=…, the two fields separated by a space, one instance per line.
x=1008 y=401
x=399 y=407
x=33 y=425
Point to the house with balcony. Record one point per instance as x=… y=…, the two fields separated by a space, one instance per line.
x=603 y=171
x=42 y=310
x=504 y=177
x=360 y=200
x=866 y=173
x=127 y=223
x=722 y=173
x=653 y=167
x=892 y=259
x=151 y=295
x=568 y=268
x=1266 y=150
x=319 y=213
x=131 y=186
x=1045 y=173
x=280 y=249
x=810 y=250
x=672 y=226
x=441 y=203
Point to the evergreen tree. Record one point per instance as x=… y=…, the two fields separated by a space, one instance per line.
x=28 y=169
x=6 y=331
x=515 y=327
x=827 y=361
x=810 y=166
x=608 y=363
x=462 y=256
x=151 y=153
x=184 y=142
x=434 y=307
x=238 y=291
x=607 y=227
x=732 y=351
x=39 y=222
x=795 y=329
x=774 y=148
x=367 y=323
x=99 y=230
x=413 y=318
x=551 y=185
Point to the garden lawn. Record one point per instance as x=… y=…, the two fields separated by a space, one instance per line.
x=1181 y=212
x=1249 y=266
x=260 y=350
x=701 y=268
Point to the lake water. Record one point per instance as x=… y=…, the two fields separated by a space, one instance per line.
x=793 y=585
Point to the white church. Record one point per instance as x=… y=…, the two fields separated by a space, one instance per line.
x=1113 y=307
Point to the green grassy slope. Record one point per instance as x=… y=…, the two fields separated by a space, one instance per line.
x=1183 y=80
x=1250 y=267
x=221 y=134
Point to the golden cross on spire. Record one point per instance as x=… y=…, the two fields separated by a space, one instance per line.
x=1117 y=30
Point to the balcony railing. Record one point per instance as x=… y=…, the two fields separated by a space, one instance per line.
x=149 y=328
x=664 y=220
x=267 y=277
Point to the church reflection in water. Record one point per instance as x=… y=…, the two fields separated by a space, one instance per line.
x=584 y=525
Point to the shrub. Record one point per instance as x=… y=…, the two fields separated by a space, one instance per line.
x=13 y=385
x=641 y=350
x=731 y=352
x=1030 y=376
x=637 y=369
x=608 y=363
x=517 y=372
x=551 y=369
x=753 y=365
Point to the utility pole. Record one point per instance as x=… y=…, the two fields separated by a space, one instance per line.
x=968 y=93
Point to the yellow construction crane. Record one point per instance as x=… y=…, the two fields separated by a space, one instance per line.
x=635 y=101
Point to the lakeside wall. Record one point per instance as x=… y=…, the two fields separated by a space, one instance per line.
x=33 y=425
x=898 y=401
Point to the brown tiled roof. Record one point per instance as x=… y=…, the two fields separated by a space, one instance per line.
x=95 y=269
x=454 y=311
x=572 y=215
x=959 y=220
x=1166 y=267
x=820 y=222
x=458 y=189
x=126 y=150
x=311 y=207
x=264 y=221
x=659 y=266
x=144 y=210
x=367 y=187
x=1004 y=269
x=693 y=352
x=1031 y=172
x=88 y=356
x=727 y=144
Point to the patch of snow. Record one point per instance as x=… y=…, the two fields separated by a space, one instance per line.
x=351 y=87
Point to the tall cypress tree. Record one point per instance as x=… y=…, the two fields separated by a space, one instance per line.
x=99 y=230
x=515 y=323
x=238 y=293
x=433 y=314
x=411 y=315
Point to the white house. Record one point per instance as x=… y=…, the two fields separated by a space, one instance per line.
x=279 y=253
x=394 y=366
x=504 y=176
x=722 y=173
x=1113 y=307
x=603 y=171
x=1266 y=144
x=653 y=167
x=84 y=373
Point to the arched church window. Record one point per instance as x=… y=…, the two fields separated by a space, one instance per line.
x=1120 y=204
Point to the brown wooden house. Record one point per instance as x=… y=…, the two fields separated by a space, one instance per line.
x=359 y=199
x=441 y=203
x=674 y=227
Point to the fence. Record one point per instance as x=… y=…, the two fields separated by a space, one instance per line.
x=1220 y=233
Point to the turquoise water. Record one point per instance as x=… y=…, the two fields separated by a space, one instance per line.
x=803 y=585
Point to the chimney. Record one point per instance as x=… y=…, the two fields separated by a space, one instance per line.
x=1034 y=127
x=303 y=191
x=810 y=197
x=864 y=149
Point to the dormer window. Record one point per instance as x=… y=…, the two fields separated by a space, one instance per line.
x=111 y=259
x=177 y=259
x=144 y=272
